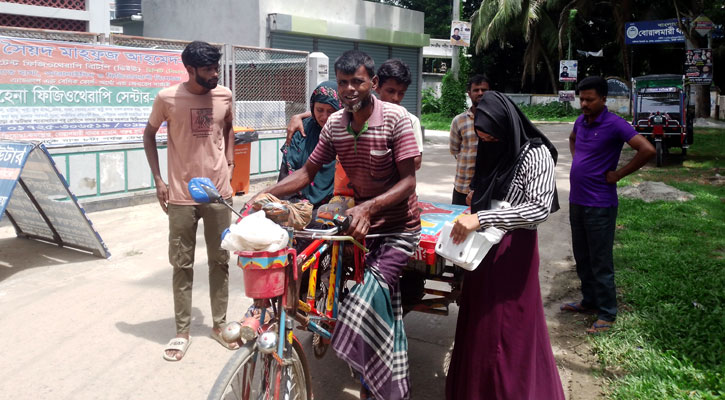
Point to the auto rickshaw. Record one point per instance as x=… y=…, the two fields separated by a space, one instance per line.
x=662 y=112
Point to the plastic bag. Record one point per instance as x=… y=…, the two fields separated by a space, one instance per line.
x=471 y=251
x=469 y=254
x=255 y=233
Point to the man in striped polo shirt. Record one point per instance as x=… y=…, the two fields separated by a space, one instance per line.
x=374 y=142
x=464 y=142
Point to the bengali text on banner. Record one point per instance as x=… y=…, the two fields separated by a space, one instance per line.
x=64 y=93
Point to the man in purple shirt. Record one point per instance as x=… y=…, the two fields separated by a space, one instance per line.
x=596 y=143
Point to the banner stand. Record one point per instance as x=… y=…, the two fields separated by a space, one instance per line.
x=38 y=201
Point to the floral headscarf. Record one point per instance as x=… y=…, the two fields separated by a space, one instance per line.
x=296 y=154
x=325 y=93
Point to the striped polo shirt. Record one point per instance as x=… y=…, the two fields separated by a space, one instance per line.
x=370 y=162
x=464 y=146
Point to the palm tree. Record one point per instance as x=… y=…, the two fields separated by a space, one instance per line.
x=536 y=21
x=495 y=19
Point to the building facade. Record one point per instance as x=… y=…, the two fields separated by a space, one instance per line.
x=70 y=15
x=330 y=27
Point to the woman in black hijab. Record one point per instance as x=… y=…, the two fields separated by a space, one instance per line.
x=502 y=348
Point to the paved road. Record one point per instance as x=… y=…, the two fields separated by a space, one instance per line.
x=76 y=327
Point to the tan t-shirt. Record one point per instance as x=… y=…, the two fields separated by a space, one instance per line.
x=195 y=125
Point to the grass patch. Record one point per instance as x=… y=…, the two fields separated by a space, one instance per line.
x=705 y=158
x=669 y=340
x=552 y=111
x=436 y=121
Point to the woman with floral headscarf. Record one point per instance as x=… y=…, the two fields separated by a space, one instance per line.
x=502 y=348
x=324 y=102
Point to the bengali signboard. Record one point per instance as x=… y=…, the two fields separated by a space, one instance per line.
x=68 y=93
x=38 y=202
x=648 y=32
x=12 y=159
x=698 y=66
x=702 y=25
x=567 y=95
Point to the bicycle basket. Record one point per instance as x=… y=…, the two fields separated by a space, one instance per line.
x=264 y=272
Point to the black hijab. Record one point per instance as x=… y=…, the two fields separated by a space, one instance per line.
x=497 y=162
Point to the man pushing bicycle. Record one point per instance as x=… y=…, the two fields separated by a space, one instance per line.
x=374 y=142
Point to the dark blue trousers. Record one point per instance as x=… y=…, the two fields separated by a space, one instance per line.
x=592 y=237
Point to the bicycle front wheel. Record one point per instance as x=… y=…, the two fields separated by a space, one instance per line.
x=251 y=375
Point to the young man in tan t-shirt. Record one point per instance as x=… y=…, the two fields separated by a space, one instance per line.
x=198 y=116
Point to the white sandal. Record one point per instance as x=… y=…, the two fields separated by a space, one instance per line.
x=179 y=344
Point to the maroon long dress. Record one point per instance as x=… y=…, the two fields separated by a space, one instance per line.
x=502 y=349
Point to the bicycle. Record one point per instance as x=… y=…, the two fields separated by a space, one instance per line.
x=274 y=365
x=285 y=371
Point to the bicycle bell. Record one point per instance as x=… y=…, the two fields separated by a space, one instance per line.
x=230 y=333
x=267 y=342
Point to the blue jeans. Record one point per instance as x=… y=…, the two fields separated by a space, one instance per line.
x=592 y=238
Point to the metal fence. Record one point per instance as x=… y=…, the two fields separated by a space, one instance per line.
x=269 y=86
x=165 y=44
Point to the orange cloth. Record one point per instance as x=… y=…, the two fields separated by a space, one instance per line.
x=342 y=183
x=195 y=125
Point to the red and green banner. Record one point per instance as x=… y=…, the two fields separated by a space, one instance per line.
x=64 y=93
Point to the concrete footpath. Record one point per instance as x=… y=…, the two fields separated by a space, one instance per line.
x=78 y=327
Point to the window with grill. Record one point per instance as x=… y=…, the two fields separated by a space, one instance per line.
x=67 y=4
x=24 y=21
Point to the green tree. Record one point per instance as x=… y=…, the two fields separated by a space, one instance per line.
x=453 y=92
x=495 y=21
x=688 y=11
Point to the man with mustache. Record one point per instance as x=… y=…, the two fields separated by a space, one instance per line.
x=374 y=142
x=393 y=82
x=464 y=142
x=596 y=143
x=198 y=115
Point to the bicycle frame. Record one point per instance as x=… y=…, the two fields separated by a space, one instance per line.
x=309 y=259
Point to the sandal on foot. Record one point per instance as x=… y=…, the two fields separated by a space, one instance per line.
x=179 y=344
x=576 y=307
x=218 y=337
x=600 y=326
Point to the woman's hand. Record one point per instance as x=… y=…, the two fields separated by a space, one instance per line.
x=295 y=124
x=469 y=198
x=463 y=227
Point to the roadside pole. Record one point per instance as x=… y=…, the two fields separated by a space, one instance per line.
x=454 y=60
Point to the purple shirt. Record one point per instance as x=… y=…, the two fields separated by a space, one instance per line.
x=596 y=151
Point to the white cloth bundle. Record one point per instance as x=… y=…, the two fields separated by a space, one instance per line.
x=255 y=233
